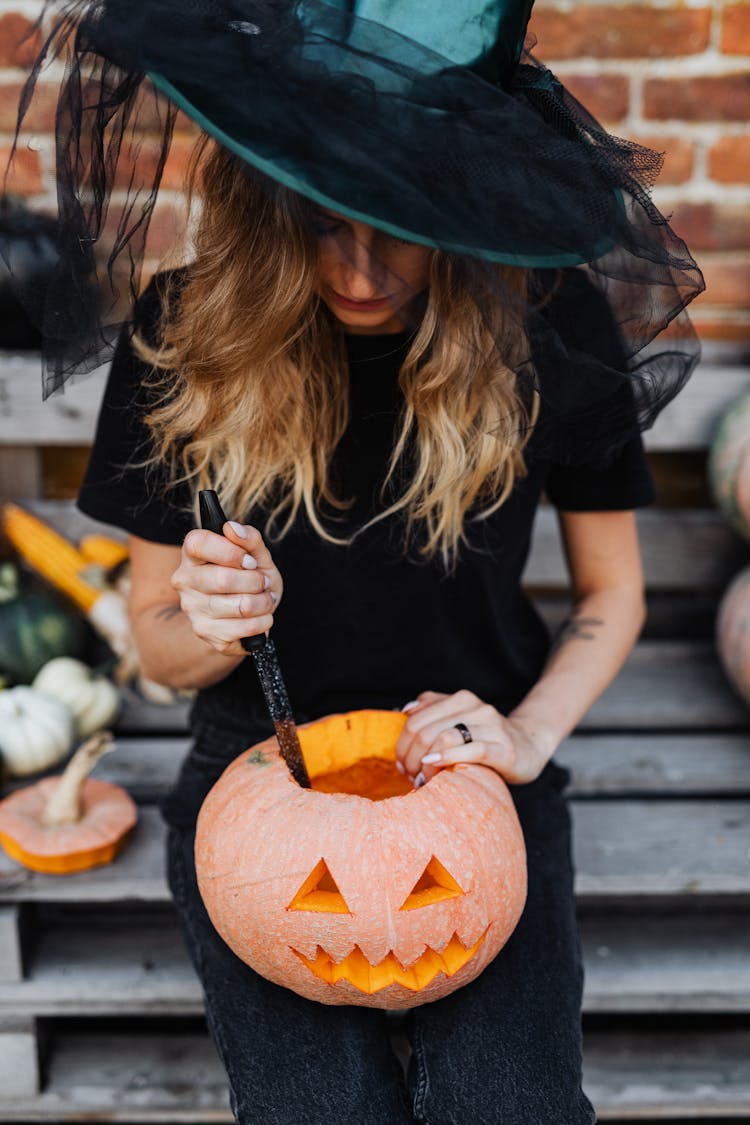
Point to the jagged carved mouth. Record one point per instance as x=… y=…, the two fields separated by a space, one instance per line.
x=368 y=978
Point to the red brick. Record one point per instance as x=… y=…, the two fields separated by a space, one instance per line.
x=713 y=226
x=15 y=49
x=147 y=156
x=729 y=160
x=678 y=156
x=167 y=225
x=25 y=175
x=724 y=98
x=735 y=30
x=606 y=32
x=40 y=116
x=727 y=282
x=605 y=96
x=712 y=327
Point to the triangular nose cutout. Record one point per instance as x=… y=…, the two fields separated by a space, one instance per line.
x=320 y=892
x=433 y=885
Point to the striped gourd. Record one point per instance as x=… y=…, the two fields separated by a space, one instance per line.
x=729 y=466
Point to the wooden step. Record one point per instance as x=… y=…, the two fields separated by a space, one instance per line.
x=70 y=418
x=684 y=549
x=165 y=1076
x=664 y=685
x=137 y=965
x=623 y=849
x=661 y=765
x=668 y=1075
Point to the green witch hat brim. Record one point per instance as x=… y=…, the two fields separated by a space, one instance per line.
x=358 y=116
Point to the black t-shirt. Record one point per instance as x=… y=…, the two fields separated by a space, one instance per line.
x=365 y=625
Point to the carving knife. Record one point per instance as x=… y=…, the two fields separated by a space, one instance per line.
x=263 y=652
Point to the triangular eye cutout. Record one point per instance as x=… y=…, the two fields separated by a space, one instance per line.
x=320 y=892
x=433 y=885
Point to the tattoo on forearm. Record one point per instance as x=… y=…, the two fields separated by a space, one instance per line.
x=577 y=627
x=167 y=612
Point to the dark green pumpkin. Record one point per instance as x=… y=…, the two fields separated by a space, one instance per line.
x=34 y=628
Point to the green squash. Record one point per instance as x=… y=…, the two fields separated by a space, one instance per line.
x=34 y=628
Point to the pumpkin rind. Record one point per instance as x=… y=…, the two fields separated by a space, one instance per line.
x=733 y=633
x=261 y=838
x=109 y=815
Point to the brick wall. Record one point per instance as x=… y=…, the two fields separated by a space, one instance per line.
x=673 y=76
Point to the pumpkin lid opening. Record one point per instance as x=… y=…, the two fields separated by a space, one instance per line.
x=356 y=753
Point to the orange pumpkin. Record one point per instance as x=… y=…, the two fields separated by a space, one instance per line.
x=360 y=890
x=65 y=824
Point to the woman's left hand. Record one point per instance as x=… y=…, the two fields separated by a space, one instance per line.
x=430 y=741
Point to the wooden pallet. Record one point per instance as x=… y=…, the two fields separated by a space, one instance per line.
x=101 y=1015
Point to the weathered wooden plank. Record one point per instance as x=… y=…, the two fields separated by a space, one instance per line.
x=19 y=1057
x=668 y=685
x=643 y=962
x=623 y=849
x=672 y=1075
x=664 y=685
x=683 y=549
x=137 y=875
x=64 y=419
x=636 y=849
x=169 y=1077
x=20 y=473
x=11 y=943
x=138 y=716
x=666 y=962
x=658 y=764
x=70 y=418
x=145 y=1077
x=663 y=765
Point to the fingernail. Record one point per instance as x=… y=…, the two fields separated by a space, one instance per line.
x=266 y=581
x=274 y=597
x=435 y=756
x=238 y=529
x=419 y=780
x=400 y=766
x=410 y=705
x=249 y=562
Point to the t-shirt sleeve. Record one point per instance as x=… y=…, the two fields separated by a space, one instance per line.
x=116 y=490
x=623 y=484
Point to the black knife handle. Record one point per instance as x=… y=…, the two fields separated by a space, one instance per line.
x=213 y=519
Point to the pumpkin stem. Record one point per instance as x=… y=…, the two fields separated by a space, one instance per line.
x=64 y=805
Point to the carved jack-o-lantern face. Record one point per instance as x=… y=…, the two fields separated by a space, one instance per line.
x=320 y=893
x=349 y=900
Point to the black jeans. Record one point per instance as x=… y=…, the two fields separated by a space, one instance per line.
x=503 y=1050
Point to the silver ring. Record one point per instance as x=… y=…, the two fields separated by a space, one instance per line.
x=464 y=731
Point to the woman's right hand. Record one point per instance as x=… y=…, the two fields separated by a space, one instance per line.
x=228 y=585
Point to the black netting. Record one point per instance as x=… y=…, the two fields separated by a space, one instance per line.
x=376 y=126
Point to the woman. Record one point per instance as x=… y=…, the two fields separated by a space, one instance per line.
x=419 y=612
x=425 y=287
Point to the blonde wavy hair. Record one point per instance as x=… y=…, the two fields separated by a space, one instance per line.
x=251 y=370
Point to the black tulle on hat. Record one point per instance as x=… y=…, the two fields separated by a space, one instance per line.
x=429 y=122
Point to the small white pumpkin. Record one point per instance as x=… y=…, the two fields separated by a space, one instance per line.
x=93 y=699
x=36 y=731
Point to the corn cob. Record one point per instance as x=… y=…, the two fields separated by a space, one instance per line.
x=52 y=556
x=103 y=550
x=85 y=583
